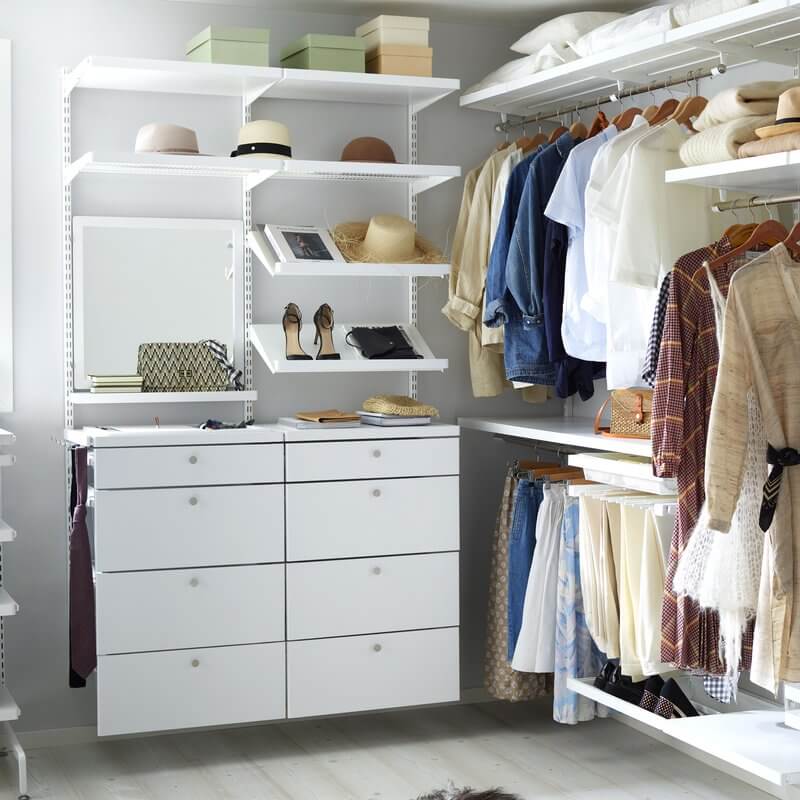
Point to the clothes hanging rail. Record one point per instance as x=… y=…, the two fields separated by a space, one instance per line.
x=508 y=124
x=754 y=202
x=544 y=447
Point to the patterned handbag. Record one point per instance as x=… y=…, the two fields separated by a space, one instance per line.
x=631 y=413
x=186 y=367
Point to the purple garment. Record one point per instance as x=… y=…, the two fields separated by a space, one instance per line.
x=82 y=634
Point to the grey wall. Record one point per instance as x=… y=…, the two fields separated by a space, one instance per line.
x=49 y=35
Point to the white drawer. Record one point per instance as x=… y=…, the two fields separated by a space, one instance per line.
x=368 y=595
x=377 y=517
x=137 y=529
x=378 y=458
x=360 y=673
x=190 y=688
x=206 y=465
x=170 y=609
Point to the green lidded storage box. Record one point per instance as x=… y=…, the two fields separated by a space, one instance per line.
x=323 y=51
x=217 y=45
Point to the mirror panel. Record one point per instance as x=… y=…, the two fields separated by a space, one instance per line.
x=143 y=280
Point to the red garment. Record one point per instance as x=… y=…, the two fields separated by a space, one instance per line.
x=685 y=379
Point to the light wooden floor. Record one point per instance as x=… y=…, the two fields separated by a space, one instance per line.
x=393 y=756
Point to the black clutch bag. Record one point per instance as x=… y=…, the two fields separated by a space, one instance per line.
x=386 y=342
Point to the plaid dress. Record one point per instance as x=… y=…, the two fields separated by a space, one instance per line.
x=684 y=388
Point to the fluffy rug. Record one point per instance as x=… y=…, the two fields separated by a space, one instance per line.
x=452 y=793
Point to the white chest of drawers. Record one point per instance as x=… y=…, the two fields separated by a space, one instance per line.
x=271 y=573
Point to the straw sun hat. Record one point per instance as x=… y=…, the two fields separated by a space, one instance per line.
x=788 y=116
x=399 y=405
x=385 y=239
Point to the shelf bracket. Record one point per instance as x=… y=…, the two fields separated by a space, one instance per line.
x=76 y=167
x=73 y=77
x=772 y=55
x=257 y=178
x=249 y=96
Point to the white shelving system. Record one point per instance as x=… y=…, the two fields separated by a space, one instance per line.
x=250 y=84
x=750 y=740
x=9 y=710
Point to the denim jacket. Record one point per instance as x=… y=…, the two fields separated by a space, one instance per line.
x=527 y=356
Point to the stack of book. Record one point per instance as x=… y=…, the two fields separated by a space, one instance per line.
x=391 y=420
x=112 y=384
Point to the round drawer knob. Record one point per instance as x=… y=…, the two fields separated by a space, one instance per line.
x=376 y=453
x=376 y=492
x=194 y=582
x=192 y=459
x=376 y=570
x=377 y=647
x=195 y=662
x=192 y=501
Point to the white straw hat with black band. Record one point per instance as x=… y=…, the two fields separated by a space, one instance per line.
x=264 y=138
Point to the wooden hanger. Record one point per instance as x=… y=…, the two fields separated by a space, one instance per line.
x=559 y=131
x=766 y=233
x=523 y=142
x=665 y=111
x=578 y=130
x=600 y=123
x=624 y=120
x=689 y=108
x=538 y=140
x=739 y=234
x=649 y=112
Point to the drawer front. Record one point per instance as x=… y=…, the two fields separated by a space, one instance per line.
x=379 y=458
x=190 y=688
x=361 y=673
x=368 y=595
x=207 y=465
x=376 y=517
x=170 y=609
x=138 y=529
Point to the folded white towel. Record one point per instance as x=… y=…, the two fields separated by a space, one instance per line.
x=750 y=100
x=722 y=142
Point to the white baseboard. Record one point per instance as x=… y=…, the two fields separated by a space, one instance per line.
x=85 y=734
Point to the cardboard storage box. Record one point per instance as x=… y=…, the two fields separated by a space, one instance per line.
x=218 y=45
x=387 y=29
x=322 y=51
x=397 y=59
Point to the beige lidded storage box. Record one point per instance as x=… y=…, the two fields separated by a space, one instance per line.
x=388 y=29
x=398 y=59
x=217 y=45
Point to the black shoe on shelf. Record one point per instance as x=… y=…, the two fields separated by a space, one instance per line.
x=622 y=687
x=605 y=675
x=673 y=703
x=652 y=692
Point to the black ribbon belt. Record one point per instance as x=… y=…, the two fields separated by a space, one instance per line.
x=263 y=147
x=786 y=457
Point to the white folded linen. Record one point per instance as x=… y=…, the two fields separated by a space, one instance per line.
x=722 y=142
x=624 y=30
x=547 y=58
x=690 y=11
x=560 y=30
x=752 y=99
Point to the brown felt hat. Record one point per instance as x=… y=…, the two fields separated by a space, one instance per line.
x=369 y=148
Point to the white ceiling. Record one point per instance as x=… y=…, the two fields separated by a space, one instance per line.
x=500 y=11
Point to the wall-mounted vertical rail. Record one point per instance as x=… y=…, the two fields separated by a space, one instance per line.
x=247 y=224
x=412 y=215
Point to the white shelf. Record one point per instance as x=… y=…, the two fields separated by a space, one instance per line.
x=7 y=438
x=569 y=431
x=354 y=87
x=177 y=77
x=8 y=605
x=776 y=172
x=9 y=710
x=756 y=742
x=258 y=243
x=419 y=177
x=623 y=470
x=7 y=533
x=256 y=170
x=112 y=398
x=764 y=31
x=250 y=83
x=269 y=342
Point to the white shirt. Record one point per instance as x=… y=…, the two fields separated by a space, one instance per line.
x=583 y=335
x=603 y=199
